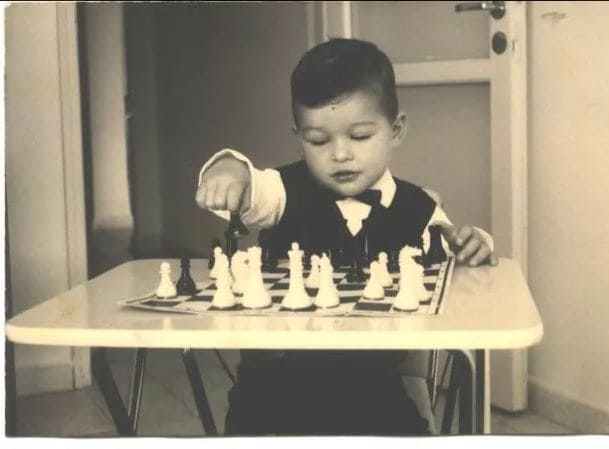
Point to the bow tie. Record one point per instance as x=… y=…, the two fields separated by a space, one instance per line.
x=369 y=197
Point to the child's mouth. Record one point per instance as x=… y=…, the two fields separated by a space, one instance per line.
x=345 y=176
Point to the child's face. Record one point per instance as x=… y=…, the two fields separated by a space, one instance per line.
x=348 y=144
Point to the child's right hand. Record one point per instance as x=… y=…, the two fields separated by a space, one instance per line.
x=225 y=185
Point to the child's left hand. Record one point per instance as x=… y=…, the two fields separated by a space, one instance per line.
x=468 y=245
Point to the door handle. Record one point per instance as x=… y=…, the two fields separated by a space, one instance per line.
x=497 y=9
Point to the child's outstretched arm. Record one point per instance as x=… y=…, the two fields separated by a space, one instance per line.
x=228 y=182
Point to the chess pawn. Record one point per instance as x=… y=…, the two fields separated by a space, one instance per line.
x=384 y=276
x=374 y=289
x=166 y=289
x=216 y=253
x=240 y=271
x=185 y=285
x=313 y=279
x=255 y=295
x=327 y=296
x=223 y=298
x=297 y=297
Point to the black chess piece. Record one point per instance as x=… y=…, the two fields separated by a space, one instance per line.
x=422 y=259
x=212 y=258
x=306 y=260
x=436 y=253
x=335 y=256
x=185 y=285
x=269 y=261
x=356 y=272
x=392 y=261
x=236 y=229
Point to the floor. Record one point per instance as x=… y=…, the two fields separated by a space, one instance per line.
x=168 y=408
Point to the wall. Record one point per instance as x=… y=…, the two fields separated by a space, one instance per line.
x=223 y=81
x=36 y=202
x=568 y=208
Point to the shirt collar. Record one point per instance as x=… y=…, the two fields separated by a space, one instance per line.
x=386 y=185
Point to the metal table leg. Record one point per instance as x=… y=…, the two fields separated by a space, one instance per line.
x=198 y=391
x=125 y=421
x=467 y=378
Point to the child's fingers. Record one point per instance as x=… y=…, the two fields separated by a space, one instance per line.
x=481 y=255
x=470 y=248
x=233 y=197
x=219 y=198
x=210 y=195
x=200 y=195
x=448 y=231
x=463 y=235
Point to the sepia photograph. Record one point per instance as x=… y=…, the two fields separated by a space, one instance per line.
x=306 y=219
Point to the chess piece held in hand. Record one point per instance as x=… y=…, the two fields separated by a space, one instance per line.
x=166 y=289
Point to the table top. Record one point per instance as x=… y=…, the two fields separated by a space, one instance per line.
x=487 y=308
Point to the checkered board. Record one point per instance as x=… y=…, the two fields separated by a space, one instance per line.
x=437 y=281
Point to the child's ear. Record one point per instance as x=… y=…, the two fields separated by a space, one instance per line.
x=399 y=127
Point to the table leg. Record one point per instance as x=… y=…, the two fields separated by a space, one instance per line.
x=125 y=422
x=198 y=391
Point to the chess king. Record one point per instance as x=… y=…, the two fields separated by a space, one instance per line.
x=339 y=195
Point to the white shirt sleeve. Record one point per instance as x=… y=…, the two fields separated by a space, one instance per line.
x=267 y=193
x=440 y=216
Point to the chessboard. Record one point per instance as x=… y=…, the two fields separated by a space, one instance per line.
x=437 y=279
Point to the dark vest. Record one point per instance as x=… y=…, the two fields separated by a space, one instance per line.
x=313 y=219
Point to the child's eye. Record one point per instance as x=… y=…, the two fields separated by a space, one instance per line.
x=318 y=143
x=362 y=137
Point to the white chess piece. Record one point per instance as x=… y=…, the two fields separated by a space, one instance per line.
x=416 y=272
x=166 y=288
x=385 y=277
x=240 y=271
x=213 y=274
x=406 y=298
x=255 y=296
x=374 y=288
x=327 y=296
x=297 y=297
x=223 y=298
x=313 y=279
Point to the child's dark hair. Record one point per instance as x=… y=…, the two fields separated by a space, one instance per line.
x=342 y=66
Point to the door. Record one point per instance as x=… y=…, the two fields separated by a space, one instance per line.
x=461 y=75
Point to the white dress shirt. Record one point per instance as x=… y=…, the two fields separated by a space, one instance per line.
x=268 y=199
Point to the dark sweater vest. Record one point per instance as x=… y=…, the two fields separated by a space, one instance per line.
x=313 y=219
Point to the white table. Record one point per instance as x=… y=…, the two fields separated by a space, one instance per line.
x=487 y=308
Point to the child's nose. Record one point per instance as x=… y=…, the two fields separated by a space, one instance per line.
x=342 y=151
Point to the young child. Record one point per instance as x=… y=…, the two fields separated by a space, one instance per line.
x=346 y=116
